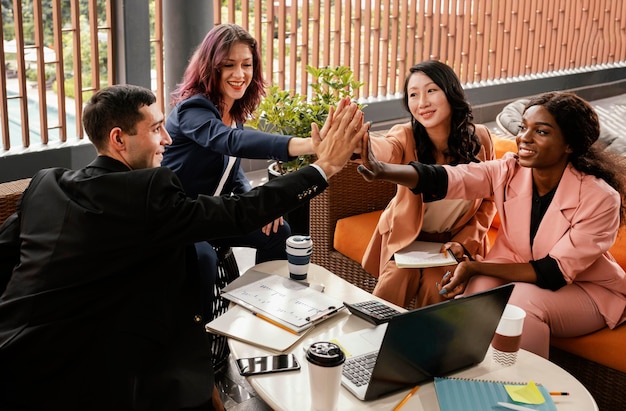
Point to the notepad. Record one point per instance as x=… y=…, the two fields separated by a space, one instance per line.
x=421 y=254
x=456 y=394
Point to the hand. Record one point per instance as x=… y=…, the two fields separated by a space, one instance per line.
x=370 y=167
x=456 y=249
x=456 y=283
x=331 y=113
x=273 y=226
x=345 y=132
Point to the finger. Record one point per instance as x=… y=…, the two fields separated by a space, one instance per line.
x=315 y=134
x=328 y=122
x=365 y=146
x=267 y=229
x=365 y=172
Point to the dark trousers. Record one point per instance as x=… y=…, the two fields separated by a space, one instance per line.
x=268 y=248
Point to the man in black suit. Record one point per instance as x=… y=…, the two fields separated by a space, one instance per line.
x=100 y=311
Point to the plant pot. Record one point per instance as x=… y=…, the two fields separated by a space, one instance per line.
x=297 y=218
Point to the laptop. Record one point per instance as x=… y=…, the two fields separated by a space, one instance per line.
x=421 y=344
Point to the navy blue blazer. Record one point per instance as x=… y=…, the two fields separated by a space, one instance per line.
x=202 y=143
x=101 y=311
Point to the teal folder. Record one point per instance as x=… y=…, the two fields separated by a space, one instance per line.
x=456 y=394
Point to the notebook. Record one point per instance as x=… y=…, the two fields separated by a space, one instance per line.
x=420 y=254
x=421 y=344
x=478 y=395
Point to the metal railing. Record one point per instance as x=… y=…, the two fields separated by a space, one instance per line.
x=485 y=41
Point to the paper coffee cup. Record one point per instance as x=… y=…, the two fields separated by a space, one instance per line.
x=299 y=249
x=508 y=336
x=325 y=362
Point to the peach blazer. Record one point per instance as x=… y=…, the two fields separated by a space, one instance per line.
x=579 y=226
x=401 y=221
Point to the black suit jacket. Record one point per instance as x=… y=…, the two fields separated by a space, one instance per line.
x=101 y=311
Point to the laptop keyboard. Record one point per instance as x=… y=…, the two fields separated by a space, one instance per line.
x=359 y=369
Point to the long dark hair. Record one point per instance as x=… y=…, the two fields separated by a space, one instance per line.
x=580 y=128
x=202 y=75
x=463 y=145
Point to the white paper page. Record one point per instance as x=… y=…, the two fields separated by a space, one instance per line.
x=421 y=254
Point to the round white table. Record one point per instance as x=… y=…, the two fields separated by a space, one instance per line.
x=290 y=390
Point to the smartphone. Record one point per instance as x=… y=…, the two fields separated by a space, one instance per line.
x=267 y=364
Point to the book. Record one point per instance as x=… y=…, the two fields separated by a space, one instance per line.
x=421 y=254
x=241 y=324
x=286 y=303
x=467 y=394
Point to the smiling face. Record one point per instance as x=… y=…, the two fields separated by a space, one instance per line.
x=428 y=103
x=236 y=73
x=145 y=148
x=541 y=144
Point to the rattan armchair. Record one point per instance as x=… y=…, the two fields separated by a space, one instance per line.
x=10 y=194
x=347 y=195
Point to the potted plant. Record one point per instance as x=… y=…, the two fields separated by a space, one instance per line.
x=282 y=112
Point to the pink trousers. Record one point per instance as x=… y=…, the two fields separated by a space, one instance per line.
x=400 y=285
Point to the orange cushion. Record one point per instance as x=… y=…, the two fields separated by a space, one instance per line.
x=353 y=234
x=605 y=347
x=618 y=251
x=503 y=145
x=491 y=234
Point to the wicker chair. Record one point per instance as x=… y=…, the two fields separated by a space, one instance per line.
x=10 y=194
x=347 y=195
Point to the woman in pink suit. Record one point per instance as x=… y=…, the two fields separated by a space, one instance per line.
x=561 y=203
x=440 y=132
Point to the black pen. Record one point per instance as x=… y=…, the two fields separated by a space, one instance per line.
x=324 y=314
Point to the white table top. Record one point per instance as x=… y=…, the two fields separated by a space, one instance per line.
x=290 y=390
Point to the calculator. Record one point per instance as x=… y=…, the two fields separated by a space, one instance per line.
x=373 y=311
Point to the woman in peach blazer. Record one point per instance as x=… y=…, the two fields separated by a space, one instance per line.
x=435 y=98
x=560 y=201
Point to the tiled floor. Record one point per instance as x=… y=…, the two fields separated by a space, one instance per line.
x=237 y=394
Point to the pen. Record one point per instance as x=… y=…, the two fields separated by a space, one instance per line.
x=324 y=314
x=277 y=324
x=406 y=398
x=559 y=393
x=514 y=406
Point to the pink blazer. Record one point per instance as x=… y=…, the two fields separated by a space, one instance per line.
x=401 y=221
x=579 y=226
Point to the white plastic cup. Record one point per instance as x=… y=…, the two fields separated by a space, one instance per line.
x=325 y=362
x=508 y=336
x=299 y=249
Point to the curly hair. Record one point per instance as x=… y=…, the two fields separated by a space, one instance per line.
x=202 y=75
x=463 y=145
x=580 y=127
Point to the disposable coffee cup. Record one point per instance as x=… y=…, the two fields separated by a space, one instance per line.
x=506 y=341
x=299 y=249
x=325 y=361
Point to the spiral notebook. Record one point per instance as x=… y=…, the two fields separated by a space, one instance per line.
x=467 y=394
